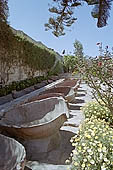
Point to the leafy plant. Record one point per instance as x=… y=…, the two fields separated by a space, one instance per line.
x=57 y=69
x=93 y=108
x=63 y=14
x=93 y=146
x=70 y=62
x=98 y=74
x=20 y=85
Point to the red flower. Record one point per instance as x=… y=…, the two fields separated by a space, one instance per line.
x=99 y=63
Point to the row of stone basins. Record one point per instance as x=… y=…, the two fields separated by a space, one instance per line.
x=30 y=125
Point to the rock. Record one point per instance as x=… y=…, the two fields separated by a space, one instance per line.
x=6 y=99
x=12 y=154
x=40 y=85
x=17 y=94
x=29 y=89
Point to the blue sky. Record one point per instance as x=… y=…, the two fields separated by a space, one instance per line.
x=31 y=15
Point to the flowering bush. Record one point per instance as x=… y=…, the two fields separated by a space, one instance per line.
x=93 y=108
x=93 y=146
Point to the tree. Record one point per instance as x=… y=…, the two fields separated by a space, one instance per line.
x=3 y=11
x=70 y=62
x=78 y=49
x=63 y=11
x=7 y=43
x=98 y=74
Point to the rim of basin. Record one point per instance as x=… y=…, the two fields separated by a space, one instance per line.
x=60 y=89
x=56 y=106
x=44 y=96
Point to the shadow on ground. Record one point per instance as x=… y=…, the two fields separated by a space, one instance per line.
x=59 y=155
x=77 y=101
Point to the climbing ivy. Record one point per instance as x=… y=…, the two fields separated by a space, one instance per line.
x=27 y=55
x=35 y=58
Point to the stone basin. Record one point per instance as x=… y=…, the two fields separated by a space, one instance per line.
x=37 y=119
x=44 y=96
x=67 y=91
x=12 y=154
x=69 y=82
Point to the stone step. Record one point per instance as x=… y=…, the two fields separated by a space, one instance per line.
x=70 y=129
x=42 y=166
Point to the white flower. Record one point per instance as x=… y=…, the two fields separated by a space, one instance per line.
x=105 y=159
x=83 y=165
x=83 y=144
x=101 y=155
x=103 y=168
x=89 y=150
x=85 y=160
x=92 y=162
x=99 y=149
x=67 y=161
x=104 y=149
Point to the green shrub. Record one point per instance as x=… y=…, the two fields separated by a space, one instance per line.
x=93 y=146
x=57 y=69
x=20 y=85
x=93 y=108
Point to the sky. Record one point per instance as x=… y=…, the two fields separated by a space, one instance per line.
x=31 y=15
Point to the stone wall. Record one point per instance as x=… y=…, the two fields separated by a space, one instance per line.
x=16 y=73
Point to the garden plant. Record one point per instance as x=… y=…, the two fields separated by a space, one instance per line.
x=93 y=145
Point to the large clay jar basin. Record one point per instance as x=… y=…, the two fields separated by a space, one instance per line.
x=12 y=154
x=69 y=82
x=67 y=91
x=44 y=96
x=38 y=119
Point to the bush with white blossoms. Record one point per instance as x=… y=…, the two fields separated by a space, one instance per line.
x=93 y=108
x=93 y=146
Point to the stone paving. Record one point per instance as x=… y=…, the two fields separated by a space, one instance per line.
x=55 y=160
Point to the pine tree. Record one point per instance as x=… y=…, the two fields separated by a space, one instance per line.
x=63 y=14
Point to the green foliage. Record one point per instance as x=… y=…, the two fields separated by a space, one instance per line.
x=78 y=49
x=3 y=11
x=70 y=62
x=6 y=35
x=24 y=54
x=36 y=58
x=98 y=110
x=20 y=85
x=63 y=19
x=63 y=11
x=8 y=52
x=93 y=146
x=98 y=73
x=57 y=69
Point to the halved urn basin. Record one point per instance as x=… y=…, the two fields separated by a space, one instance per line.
x=37 y=119
x=69 y=82
x=12 y=154
x=67 y=91
x=44 y=96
